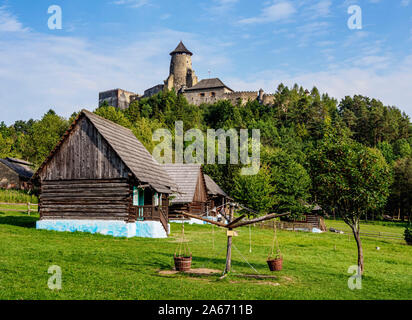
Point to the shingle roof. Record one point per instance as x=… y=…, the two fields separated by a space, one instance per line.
x=21 y=167
x=213 y=188
x=185 y=177
x=131 y=151
x=181 y=49
x=208 y=84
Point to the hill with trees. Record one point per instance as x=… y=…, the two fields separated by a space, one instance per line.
x=297 y=125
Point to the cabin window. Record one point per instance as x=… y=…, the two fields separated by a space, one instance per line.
x=213 y=94
x=202 y=95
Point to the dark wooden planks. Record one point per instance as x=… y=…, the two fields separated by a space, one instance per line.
x=92 y=199
x=84 y=154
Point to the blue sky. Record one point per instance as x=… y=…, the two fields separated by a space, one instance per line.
x=249 y=44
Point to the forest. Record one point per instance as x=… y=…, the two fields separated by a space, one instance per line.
x=349 y=155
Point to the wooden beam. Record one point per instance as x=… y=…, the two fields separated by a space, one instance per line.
x=200 y=218
x=236 y=220
x=267 y=217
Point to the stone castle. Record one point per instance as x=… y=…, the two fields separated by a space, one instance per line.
x=183 y=80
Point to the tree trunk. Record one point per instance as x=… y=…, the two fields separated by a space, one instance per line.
x=360 y=249
x=354 y=225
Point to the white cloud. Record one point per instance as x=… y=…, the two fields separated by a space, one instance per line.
x=391 y=87
x=132 y=3
x=40 y=71
x=320 y=9
x=278 y=10
x=9 y=23
x=220 y=7
x=405 y=3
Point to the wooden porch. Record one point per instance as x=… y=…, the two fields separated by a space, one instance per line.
x=150 y=213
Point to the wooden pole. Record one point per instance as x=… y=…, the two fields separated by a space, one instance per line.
x=229 y=244
x=28 y=208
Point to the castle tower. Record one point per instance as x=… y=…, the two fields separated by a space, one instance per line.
x=181 y=73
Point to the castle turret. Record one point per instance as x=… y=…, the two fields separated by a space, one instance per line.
x=260 y=98
x=181 y=72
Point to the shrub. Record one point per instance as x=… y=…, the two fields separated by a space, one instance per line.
x=408 y=234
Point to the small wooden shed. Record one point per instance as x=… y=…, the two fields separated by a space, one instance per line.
x=100 y=178
x=15 y=174
x=192 y=193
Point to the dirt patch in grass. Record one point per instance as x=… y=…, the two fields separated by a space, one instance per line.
x=200 y=272
x=268 y=283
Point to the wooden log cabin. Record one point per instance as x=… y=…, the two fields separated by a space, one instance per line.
x=217 y=199
x=15 y=174
x=192 y=193
x=101 y=179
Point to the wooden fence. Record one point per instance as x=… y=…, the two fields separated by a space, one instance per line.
x=286 y=225
x=379 y=235
x=295 y=226
x=28 y=204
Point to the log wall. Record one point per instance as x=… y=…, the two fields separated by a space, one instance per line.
x=106 y=199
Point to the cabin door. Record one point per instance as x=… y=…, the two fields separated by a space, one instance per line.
x=138 y=200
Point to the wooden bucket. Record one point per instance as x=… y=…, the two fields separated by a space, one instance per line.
x=275 y=264
x=183 y=263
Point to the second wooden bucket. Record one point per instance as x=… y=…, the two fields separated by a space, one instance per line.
x=275 y=264
x=183 y=263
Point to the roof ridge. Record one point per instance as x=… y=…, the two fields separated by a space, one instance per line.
x=106 y=120
x=135 y=152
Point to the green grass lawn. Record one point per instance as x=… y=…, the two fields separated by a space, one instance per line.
x=103 y=267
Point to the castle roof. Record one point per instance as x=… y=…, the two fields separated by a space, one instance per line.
x=181 y=49
x=214 y=83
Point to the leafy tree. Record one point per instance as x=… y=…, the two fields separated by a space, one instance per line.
x=113 y=114
x=402 y=148
x=44 y=136
x=387 y=151
x=255 y=192
x=350 y=178
x=401 y=193
x=408 y=234
x=291 y=182
x=5 y=146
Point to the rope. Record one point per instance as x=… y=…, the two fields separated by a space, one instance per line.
x=250 y=239
x=275 y=241
x=213 y=236
x=183 y=246
x=245 y=259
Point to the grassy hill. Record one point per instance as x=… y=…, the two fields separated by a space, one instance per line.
x=102 y=267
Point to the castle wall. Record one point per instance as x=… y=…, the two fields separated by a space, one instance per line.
x=212 y=95
x=268 y=99
x=241 y=96
x=152 y=91
x=117 y=98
